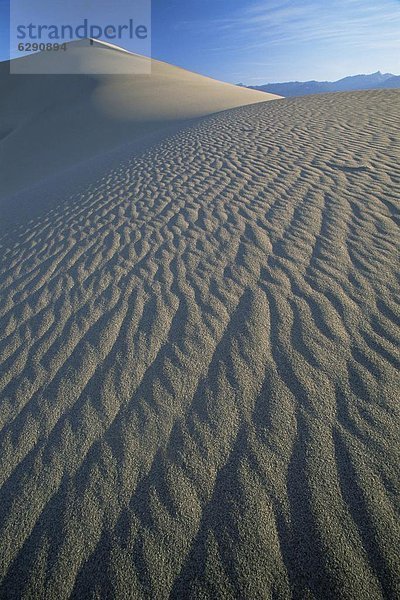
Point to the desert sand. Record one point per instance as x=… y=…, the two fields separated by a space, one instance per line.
x=199 y=351
x=52 y=122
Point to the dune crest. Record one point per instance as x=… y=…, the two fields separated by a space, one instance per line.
x=52 y=122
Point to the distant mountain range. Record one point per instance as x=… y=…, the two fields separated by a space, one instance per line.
x=347 y=84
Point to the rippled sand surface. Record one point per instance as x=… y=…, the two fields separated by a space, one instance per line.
x=200 y=366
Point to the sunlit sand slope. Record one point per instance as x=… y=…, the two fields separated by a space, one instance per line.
x=200 y=389
x=51 y=122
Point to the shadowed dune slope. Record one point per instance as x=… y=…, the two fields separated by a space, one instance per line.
x=51 y=122
x=199 y=386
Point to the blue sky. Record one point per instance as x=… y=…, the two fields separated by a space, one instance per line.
x=254 y=42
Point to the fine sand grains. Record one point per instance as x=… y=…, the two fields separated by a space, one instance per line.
x=200 y=354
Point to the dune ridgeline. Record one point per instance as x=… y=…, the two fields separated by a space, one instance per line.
x=52 y=122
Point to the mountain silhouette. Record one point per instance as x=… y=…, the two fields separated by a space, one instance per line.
x=347 y=84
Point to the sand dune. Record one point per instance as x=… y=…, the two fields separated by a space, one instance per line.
x=200 y=366
x=51 y=122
